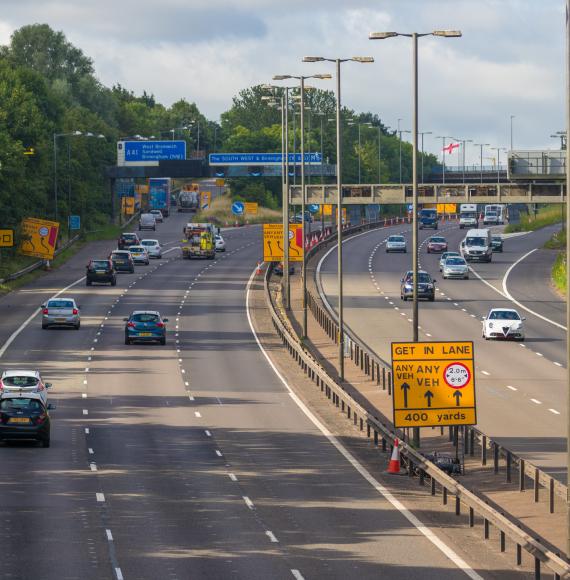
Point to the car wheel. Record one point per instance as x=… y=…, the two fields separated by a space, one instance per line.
x=432 y=298
x=467 y=277
x=127 y=340
x=132 y=270
x=45 y=443
x=88 y=282
x=78 y=326
x=163 y=341
x=44 y=326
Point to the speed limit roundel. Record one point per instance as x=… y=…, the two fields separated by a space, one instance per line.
x=456 y=375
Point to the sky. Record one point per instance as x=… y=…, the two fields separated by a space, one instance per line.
x=509 y=61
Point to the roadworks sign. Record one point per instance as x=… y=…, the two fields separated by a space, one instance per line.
x=6 y=238
x=273 y=243
x=38 y=238
x=251 y=207
x=434 y=384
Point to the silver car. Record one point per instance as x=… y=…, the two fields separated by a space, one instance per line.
x=24 y=381
x=147 y=221
x=139 y=255
x=157 y=215
x=153 y=248
x=455 y=267
x=220 y=243
x=396 y=244
x=61 y=312
x=444 y=257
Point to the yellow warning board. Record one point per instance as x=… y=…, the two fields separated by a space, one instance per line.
x=434 y=384
x=273 y=243
x=327 y=209
x=6 y=238
x=250 y=207
x=128 y=205
x=205 y=199
x=446 y=208
x=38 y=238
x=220 y=182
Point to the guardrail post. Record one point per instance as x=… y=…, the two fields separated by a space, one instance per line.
x=484 y=450
x=521 y=475
x=536 y=485
x=432 y=486
x=486 y=528
x=383 y=378
x=383 y=444
x=444 y=495
x=390 y=383
x=373 y=369
x=536 y=568
x=368 y=430
x=551 y=495
x=509 y=466
x=457 y=506
x=502 y=541
x=376 y=437
x=450 y=433
x=471 y=517
x=472 y=442
x=496 y=457
x=348 y=411
x=519 y=555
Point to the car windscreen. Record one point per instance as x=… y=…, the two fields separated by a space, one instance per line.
x=423 y=278
x=455 y=262
x=497 y=239
x=396 y=239
x=20 y=403
x=60 y=304
x=504 y=315
x=476 y=241
x=149 y=243
x=144 y=318
x=19 y=381
x=136 y=249
x=446 y=255
x=129 y=236
x=428 y=213
x=100 y=264
x=120 y=255
x=438 y=240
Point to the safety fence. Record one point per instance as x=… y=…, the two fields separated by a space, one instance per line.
x=504 y=461
x=466 y=501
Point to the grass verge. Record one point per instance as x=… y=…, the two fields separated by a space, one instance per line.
x=546 y=216
x=559 y=273
x=557 y=241
x=220 y=213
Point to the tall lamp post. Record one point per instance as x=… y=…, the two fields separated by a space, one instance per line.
x=414 y=36
x=498 y=150
x=567 y=106
x=422 y=133
x=512 y=117
x=481 y=145
x=56 y=136
x=463 y=142
x=400 y=131
x=443 y=150
x=338 y=62
x=302 y=79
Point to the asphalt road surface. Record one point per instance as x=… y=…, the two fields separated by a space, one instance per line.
x=189 y=460
x=521 y=387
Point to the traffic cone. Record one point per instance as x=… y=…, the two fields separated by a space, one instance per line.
x=394 y=465
x=258 y=272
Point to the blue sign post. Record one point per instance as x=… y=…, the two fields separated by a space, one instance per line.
x=74 y=222
x=238 y=208
x=313 y=207
x=252 y=159
x=141 y=151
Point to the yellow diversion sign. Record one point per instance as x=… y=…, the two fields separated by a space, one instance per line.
x=273 y=243
x=434 y=384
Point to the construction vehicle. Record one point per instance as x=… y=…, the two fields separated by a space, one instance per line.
x=199 y=241
x=188 y=201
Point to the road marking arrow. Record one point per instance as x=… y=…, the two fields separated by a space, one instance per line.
x=428 y=395
x=405 y=387
x=457 y=395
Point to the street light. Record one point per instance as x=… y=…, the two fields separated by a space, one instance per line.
x=400 y=131
x=481 y=145
x=422 y=133
x=55 y=137
x=443 y=150
x=414 y=36
x=338 y=62
x=512 y=117
x=498 y=150
x=301 y=79
x=462 y=141
x=562 y=136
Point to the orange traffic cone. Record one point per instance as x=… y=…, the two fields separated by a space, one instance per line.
x=394 y=465
x=258 y=271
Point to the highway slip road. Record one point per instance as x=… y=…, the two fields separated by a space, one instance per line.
x=189 y=460
x=521 y=392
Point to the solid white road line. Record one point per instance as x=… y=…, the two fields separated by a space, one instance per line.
x=536 y=401
x=271 y=537
x=248 y=502
x=232 y=476
x=109 y=535
x=296 y=574
x=119 y=574
x=426 y=531
x=512 y=388
x=208 y=434
x=554 y=411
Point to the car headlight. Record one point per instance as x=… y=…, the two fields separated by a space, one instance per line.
x=408 y=286
x=430 y=286
x=490 y=325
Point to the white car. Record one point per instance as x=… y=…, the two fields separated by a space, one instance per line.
x=220 y=243
x=153 y=248
x=444 y=257
x=455 y=267
x=159 y=218
x=139 y=255
x=396 y=244
x=22 y=381
x=503 y=323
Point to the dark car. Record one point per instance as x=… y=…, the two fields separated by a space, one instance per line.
x=122 y=261
x=497 y=243
x=278 y=269
x=426 y=286
x=101 y=271
x=145 y=326
x=24 y=416
x=126 y=240
x=436 y=245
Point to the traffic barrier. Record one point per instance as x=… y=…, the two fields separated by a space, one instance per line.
x=258 y=271
x=414 y=462
x=394 y=465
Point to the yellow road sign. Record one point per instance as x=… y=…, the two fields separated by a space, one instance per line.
x=273 y=243
x=128 y=205
x=38 y=238
x=250 y=207
x=446 y=208
x=6 y=238
x=205 y=199
x=220 y=182
x=327 y=209
x=434 y=384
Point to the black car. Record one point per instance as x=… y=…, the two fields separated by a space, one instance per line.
x=426 y=286
x=101 y=271
x=24 y=417
x=278 y=269
x=126 y=240
x=122 y=261
x=497 y=243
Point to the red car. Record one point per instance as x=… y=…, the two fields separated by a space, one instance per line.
x=436 y=245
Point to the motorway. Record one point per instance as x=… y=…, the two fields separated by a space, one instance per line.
x=521 y=387
x=189 y=460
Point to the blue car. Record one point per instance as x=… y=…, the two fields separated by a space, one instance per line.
x=144 y=326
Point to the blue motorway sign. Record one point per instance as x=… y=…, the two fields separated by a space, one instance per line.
x=313 y=207
x=136 y=151
x=74 y=222
x=238 y=208
x=261 y=158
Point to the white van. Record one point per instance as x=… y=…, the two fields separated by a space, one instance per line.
x=468 y=216
x=477 y=246
x=494 y=215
